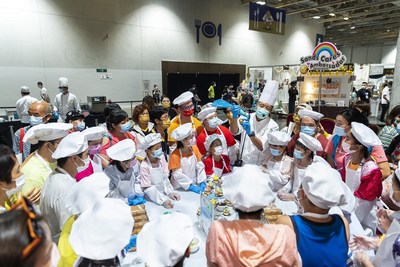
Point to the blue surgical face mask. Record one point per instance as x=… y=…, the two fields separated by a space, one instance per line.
x=308 y=130
x=398 y=128
x=125 y=127
x=80 y=126
x=339 y=131
x=35 y=120
x=158 y=153
x=298 y=154
x=275 y=152
x=214 y=122
x=262 y=113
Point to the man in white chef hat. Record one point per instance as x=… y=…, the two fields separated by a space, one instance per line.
x=72 y=157
x=212 y=125
x=309 y=125
x=65 y=101
x=101 y=233
x=321 y=237
x=279 y=166
x=247 y=241
x=82 y=196
x=41 y=163
x=254 y=130
x=166 y=240
x=185 y=110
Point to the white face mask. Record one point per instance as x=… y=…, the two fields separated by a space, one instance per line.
x=346 y=148
x=84 y=167
x=19 y=183
x=218 y=150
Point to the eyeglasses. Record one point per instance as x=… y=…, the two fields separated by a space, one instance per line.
x=189 y=107
x=36 y=232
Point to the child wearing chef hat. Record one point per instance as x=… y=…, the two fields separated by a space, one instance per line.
x=279 y=166
x=215 y=163
x=154 y=173
x=187 y=169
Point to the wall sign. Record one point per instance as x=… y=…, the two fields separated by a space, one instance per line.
x=324 y=57
x=267 y=19
x=208 y=29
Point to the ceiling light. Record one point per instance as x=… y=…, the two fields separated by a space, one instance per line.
x=352 y=27
x=260 y=2
x=332 y=14
x=346 y=18
x=346 y=15
x=316 y=17
x=388 y=30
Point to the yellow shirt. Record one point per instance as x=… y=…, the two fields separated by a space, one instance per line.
x=67 y=254
x=36 y=173
x=176 y=122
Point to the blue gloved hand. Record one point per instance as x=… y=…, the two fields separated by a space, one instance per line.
x=132 y=243
x=246 y=126
x=195 y=188
x=134 y=200
x=235 y=111
x=202 y=186
x=55 y=115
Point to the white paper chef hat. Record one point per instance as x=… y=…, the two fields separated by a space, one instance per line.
x=24 y=89
x=365 y=135
x=270 y=92
x=310 y=142
x=101 y=232
x=163 y=242
x=324 y=187
x=183 y=98
x=47 y=132
x=210 y=139
x=63 y=82
x=123 y=150
x=73 y=144
x=206 y=112
x=94 y=133
x=310 y=113
x=246 y=188
x=182 y=131
x=150 y=140
x=83 y=195
x=278 y=138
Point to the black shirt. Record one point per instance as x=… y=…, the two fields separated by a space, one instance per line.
x=364 y=95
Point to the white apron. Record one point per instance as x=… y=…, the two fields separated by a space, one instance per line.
x=188 y=166
x=298 y=177
x=218 y=171
x=96 y=163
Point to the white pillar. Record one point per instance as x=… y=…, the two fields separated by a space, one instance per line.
x=395 y=95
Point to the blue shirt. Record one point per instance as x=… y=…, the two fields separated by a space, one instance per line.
x=321 y=244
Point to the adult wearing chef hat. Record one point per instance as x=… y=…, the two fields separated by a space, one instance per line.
x=72 y=157
x=212 y=125
x=23 y=104
x=185 y=110
x=253 y=130
x=166 y=240
x=365 y=179
x=82 y=196
x=247 y=241
x=321 y=237
x=279 y=166
x=309 y=125
x=185 y=164
x=124 y=170
x=65 y=101
x=101 y=233
x=41 y=164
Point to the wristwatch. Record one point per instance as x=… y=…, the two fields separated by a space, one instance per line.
x=252 y=134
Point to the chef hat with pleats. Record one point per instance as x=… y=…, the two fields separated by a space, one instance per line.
x=310 y=113
x=210 y=139
x=183 y=98
x=150 y=140
x=73 y=144
x=324 y=187
x=206 y=112
x=278 y=138
x=47 y=132
x=365 y=135
x=164 y=241
x=182 y=131
x=123 y=150
x=94 y=133
x=310 y=142
x=246 y=188
x=270 y=92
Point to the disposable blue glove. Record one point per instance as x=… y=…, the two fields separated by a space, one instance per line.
x=246 y=126
x=195 y=188
x=235 y=111
x=55 y=115
x=202 y=186
x=132 y=243
x=134 y=200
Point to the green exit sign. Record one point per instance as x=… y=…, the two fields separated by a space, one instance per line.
x=101 y=70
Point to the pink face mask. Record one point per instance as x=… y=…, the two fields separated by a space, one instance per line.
x=94 y=149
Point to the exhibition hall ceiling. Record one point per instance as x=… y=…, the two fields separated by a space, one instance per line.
x=350 y=22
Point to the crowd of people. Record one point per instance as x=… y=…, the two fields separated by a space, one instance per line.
x=66 y=188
